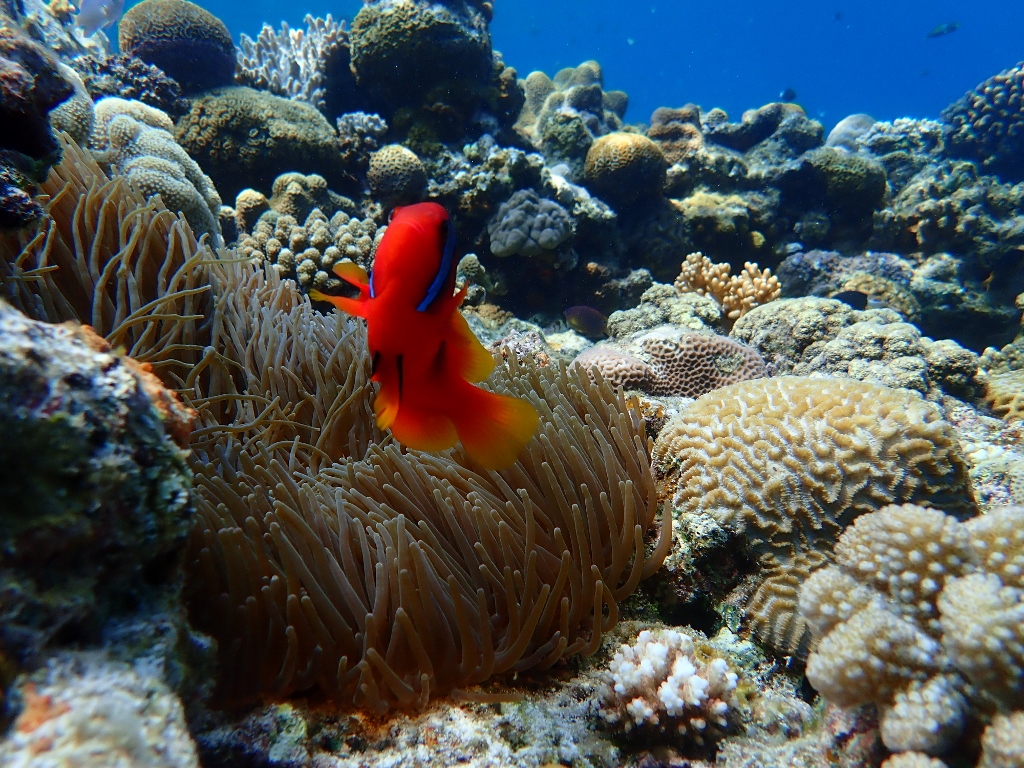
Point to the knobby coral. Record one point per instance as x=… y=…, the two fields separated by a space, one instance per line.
x=106 y=257
x=789 y=462
x=324 y=557
x=736 y=294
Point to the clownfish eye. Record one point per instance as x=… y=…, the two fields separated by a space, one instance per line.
x=393 y=212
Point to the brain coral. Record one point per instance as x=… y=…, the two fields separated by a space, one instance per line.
x=922 y=615
x=396 y=175
x=138 y=141
x=789 y=462
x=405 y=54
x=528 y=225
x=625 y=168
x=987 y=124
x=188 y=43
x=245 y=138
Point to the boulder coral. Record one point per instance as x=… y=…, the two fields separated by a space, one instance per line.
x=396 y=175
x=922 y=615
x=788 y=463
x=528 y=225
x=246 y=138
x=187 y=42
x=626 y=169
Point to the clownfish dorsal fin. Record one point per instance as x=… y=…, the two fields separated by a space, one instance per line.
x=443 y=270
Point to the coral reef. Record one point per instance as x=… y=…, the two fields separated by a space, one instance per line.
x=245 y=138
x=75 y=115
x=396 y=176
x=187 y=42
x=660 y=685
x=1004 y=394
x=735 y=294
x=921 y=615
x=359 y=135
x=789 y=462
x=677 y=132
x=985 y=125
x=130 y=78
x=87 y=503
x=85 y=710
x=528 y=225
x=310 y=65
x=137 y=139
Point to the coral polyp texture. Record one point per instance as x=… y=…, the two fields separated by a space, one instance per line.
x=187 y=42
x=659 y=686
x=625 y=168
x=411 y=590
x=986 y=124
x=788 y=463
x=396 y=175
x=528 y=225
x=922 y=615
x=1004 y=394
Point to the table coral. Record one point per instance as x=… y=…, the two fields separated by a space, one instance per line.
x=789 y=462
x=95 y=500
x=922 y=615
x=187 y=42
x=245 y=138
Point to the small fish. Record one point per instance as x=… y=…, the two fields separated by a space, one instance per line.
x=944 y=29
x=856 y=299
x=94 y=15
x=587 y=321
x=788 y=95
x=425 y=357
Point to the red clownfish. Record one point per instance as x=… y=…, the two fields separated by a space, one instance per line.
x=425 y=357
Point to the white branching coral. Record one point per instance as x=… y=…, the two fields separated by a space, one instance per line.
x=660 y=683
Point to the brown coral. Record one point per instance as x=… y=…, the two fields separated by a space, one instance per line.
x=382 y=577
x=107 y=258
x=625 y=168
x=677 y=132
x=736 y=294
x=1004 y=394
x=789 y=462
x=618 y=368
x=396 y=175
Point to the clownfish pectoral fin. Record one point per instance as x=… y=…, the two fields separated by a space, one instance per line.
x=387 y=371
x=494 y=428
x=353 y=274
x=471 y=360
x=356 y=307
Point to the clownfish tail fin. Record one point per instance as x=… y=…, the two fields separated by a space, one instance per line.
x=356 y=307
x=494 y=428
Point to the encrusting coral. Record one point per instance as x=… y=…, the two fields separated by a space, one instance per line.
x=106 y=257
x=790 y=462
x=736 y=294
x=324 y=558
x=922 y=615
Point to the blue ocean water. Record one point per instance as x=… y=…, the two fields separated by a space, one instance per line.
x=839 y=57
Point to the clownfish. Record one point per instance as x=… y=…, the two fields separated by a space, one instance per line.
x=425 y=357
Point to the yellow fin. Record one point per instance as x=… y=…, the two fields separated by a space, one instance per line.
x=471 y=359
x=351 y=272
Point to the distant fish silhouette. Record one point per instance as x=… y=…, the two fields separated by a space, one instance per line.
x=856 y=299
x=788 y=95
x=95 y=15
x=944 y=29
x=587 y=321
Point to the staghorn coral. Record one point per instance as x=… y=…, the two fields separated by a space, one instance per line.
x=735 y=294
x=187 y=42
x=986 y=125
x=625 y=168
x=528 y=225
x=297 y=64
x=106 y=257
x=245 y=138
x=659 y=684
x=396 y=175
x=359 y=574
x=137 y=140
x=1004 y=394
x=790 y=462
x=933 y=633
x=130 y=78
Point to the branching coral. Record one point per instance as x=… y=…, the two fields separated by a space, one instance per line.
x=736 y=294
x=924 y=616
x=789 y=462
x=129 y=268
x=325 y=558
